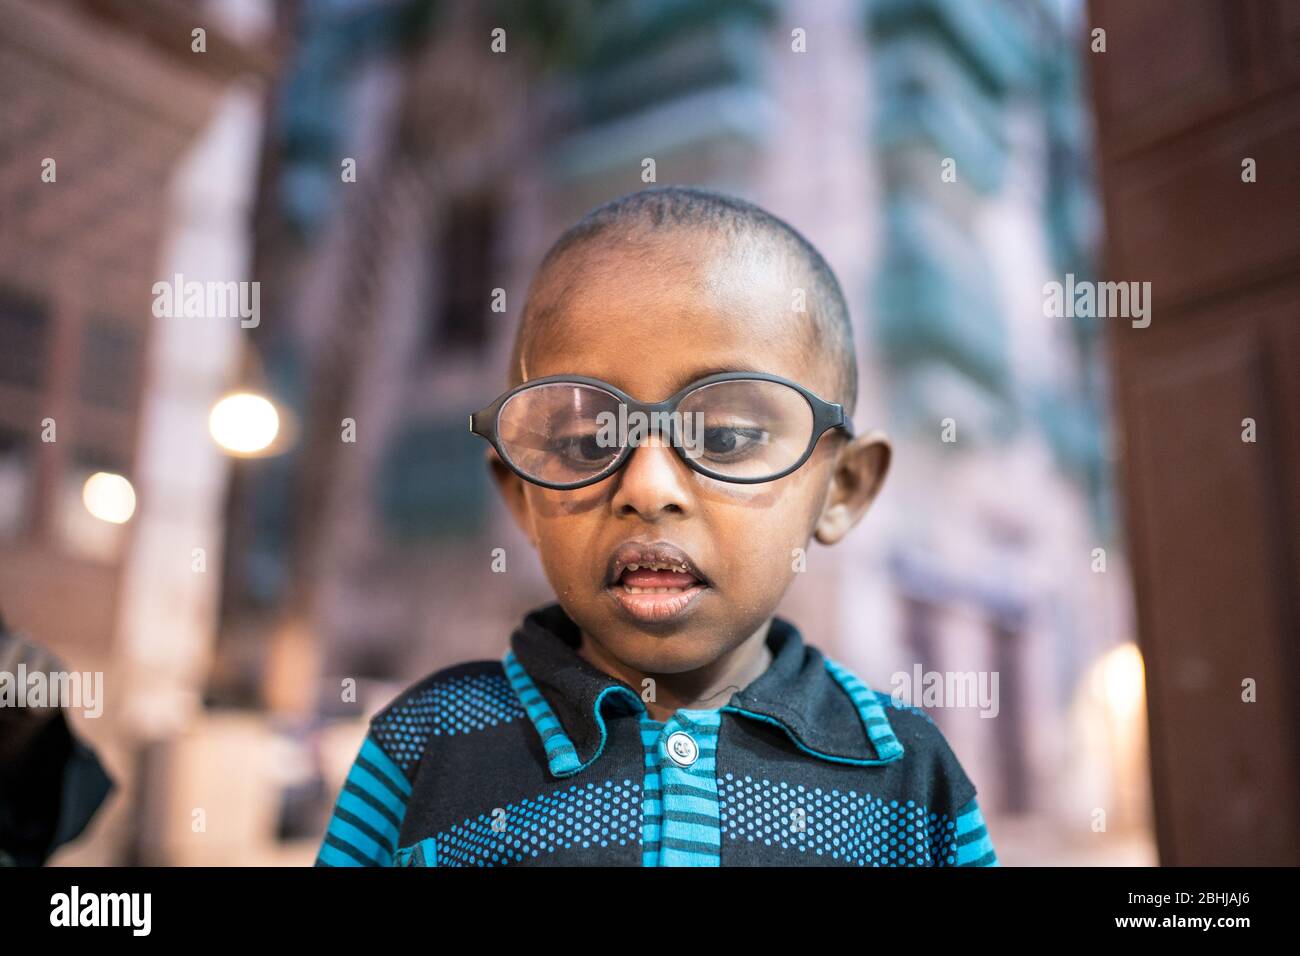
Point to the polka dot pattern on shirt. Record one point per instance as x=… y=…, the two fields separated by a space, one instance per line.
x=844 y=825
x=454 y=705
x=594 y=815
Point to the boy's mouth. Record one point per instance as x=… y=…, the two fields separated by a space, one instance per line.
x=654 y=581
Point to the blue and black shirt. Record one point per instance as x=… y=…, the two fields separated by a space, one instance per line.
x=543 y=759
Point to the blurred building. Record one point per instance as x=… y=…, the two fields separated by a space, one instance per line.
x=126 y=154
x=937 y=152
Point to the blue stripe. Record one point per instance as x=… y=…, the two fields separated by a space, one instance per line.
x=344 y=816
x=332 y=856
x=651 y=793
x=374 y=758
x=691 y=828
x=353 y=789
x=347 y=853
x=371 y=782
x=974 y=847
x=382 y=823
x=368 y=813
x=357 y=838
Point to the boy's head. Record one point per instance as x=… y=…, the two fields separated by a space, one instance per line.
x=649 y=293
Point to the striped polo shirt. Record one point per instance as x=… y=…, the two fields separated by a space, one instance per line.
x=543 y=759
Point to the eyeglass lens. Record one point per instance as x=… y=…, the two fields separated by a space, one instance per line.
x=565 y=432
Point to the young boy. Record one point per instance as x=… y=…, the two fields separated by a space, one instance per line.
x=676 y=431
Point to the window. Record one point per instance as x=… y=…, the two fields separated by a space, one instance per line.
x=462 y=301
x=110 y=365
x=15 y=483
x=25 y=332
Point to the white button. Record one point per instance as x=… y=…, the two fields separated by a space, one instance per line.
x=682 y=749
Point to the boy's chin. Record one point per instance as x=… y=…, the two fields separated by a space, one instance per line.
x=688 y=649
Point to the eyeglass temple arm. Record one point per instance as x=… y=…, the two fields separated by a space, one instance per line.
x=847 y=424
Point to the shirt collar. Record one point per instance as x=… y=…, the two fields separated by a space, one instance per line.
x=821 y=707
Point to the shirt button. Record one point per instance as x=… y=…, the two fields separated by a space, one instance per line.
x=682 y=749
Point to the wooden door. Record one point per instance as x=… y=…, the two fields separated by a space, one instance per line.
x=1186 y=92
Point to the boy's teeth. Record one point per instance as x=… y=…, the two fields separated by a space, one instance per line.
x=646 y=576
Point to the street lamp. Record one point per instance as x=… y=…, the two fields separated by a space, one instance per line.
x=245 y=424
x=109 y=497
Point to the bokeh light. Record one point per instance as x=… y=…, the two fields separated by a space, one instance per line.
x=109 y=497
x=244 y=423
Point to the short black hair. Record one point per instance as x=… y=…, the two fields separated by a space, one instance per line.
x=667 y=207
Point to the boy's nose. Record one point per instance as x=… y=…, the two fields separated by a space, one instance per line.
x=654 y=480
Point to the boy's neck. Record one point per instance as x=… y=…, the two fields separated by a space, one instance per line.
x=706 y=688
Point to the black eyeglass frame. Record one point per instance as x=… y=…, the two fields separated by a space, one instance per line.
x=826 y=415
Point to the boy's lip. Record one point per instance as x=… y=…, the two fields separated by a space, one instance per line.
x=650 y=597
x=648 y=553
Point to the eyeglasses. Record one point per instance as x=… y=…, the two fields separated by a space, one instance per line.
x=569 y=431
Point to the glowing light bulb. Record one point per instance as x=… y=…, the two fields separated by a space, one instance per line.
x=109 y=497
x=244 y=423
x=1124 y=679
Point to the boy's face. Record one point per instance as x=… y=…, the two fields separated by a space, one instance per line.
x=649 y=317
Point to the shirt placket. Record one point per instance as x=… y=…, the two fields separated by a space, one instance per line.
x=682 y=821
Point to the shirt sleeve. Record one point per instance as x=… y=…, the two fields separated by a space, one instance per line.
x=367 y=818
x=974 y=848
x=971 y=844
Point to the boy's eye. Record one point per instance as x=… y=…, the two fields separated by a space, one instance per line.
x=580 y=447
x=729 y=442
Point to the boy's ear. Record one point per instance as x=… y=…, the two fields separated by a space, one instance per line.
x=859 y=472
x=511 y=487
